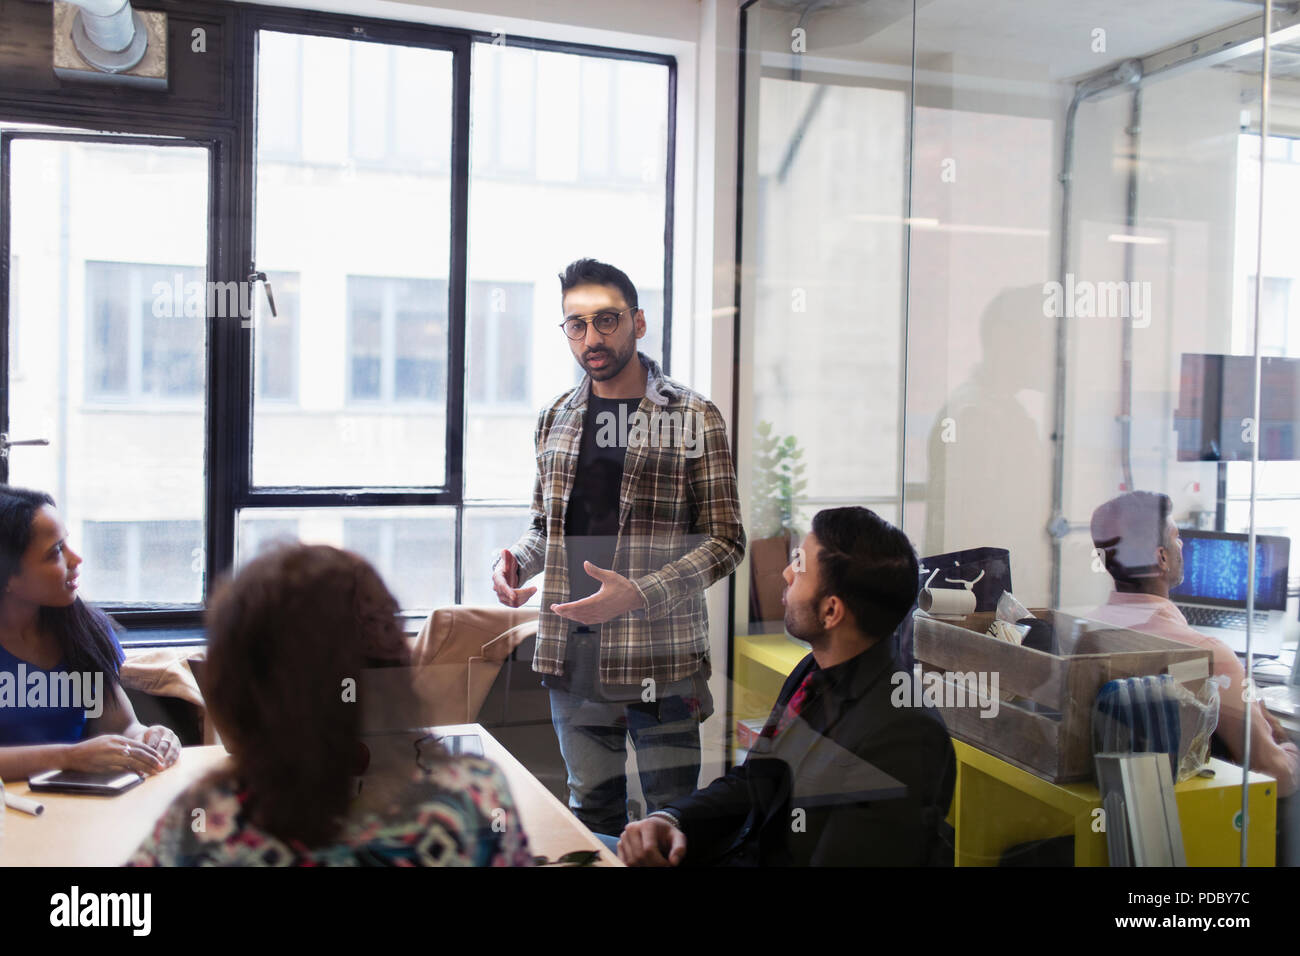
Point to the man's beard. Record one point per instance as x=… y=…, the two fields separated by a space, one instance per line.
x=617 y=362
x=1176 y=569
x=802 y=622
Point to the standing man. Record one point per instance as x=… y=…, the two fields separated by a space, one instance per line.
x=635 y=512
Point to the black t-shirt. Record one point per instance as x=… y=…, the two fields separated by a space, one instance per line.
x=591 y=534
x=591 y=519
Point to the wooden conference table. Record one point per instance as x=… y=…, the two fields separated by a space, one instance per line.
x=104 y=831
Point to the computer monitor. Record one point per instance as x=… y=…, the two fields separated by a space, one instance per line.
x=1215 y=569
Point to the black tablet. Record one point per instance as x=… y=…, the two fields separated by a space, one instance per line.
x=75 y=781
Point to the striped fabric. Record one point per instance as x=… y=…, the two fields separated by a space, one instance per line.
x=679 y=530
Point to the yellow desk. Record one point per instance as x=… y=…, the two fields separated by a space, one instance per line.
x=104 y=831
x=997 y=805
x=761 y=664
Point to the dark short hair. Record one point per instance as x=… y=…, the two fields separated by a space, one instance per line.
x=593 y=272
x=869 y=565
x=1128 y=529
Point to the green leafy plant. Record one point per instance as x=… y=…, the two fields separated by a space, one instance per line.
x=777 y=481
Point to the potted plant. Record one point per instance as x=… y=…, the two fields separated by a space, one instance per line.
x=777 y=482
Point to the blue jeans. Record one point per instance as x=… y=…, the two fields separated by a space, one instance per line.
x=593 y=739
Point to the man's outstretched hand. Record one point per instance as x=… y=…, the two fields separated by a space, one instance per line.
x=617 y=596
x=505 y=581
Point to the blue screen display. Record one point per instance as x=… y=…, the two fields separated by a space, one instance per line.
x=1215 y=569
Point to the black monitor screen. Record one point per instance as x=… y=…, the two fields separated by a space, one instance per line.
x=1215 y=566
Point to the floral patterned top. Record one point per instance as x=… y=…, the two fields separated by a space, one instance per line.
x=460 y=813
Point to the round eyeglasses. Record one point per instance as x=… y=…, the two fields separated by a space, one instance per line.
x=575 y=326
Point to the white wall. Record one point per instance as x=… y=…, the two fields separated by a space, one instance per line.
x=982 y=355
x=1187 y=200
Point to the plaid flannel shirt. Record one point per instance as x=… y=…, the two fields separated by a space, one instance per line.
x=679 y=531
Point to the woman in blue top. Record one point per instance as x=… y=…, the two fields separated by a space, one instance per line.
x=61 y=705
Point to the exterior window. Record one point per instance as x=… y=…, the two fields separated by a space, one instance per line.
x=391 y=87
x=275 y=340
x=407 y=554
x=145 y=331
x=500 y=342
x=505 y=111
x=132 y=561
x=398 y=340
x=376 y=174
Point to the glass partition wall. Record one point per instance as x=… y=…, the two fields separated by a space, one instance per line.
x=1001 y=268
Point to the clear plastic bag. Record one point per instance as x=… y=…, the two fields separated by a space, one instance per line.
x=1157 y=714
x=1011 y=610
x=1199 y=714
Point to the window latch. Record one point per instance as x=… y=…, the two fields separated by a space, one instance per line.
x=6 y=444
x=266 y=284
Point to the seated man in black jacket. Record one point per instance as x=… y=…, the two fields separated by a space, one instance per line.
x=840 y=776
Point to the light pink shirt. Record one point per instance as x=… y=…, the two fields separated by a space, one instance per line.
x=1271 y=751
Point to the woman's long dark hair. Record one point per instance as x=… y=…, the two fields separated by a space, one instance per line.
x=283 y=638
x=84 y=633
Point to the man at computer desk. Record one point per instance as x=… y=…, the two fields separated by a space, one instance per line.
x=840 y=775
x=1144 y=555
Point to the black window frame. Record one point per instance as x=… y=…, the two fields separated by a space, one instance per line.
x=229 y=131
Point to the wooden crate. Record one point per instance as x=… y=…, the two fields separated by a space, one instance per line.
x=1056 y=746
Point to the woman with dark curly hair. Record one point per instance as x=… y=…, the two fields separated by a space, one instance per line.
x=61 y=704
x=287 y=641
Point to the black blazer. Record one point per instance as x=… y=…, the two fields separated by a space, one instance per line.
x=854 y=781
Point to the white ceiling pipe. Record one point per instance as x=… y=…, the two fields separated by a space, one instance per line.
x=108 y=23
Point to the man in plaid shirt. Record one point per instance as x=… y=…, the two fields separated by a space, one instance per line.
x=635 y=512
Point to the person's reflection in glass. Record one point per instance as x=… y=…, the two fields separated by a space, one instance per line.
x=988 y=453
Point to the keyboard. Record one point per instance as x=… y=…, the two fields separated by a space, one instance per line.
x=1280 y=700
x=1200 y=616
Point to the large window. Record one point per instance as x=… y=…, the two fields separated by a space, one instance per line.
x=413 y=193
x=111 y=319
x=362 y=215
x=568 y=158
x=417 y=282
